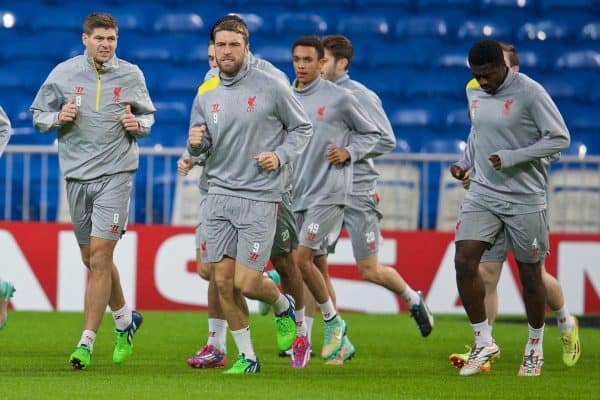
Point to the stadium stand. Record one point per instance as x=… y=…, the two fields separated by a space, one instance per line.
x=411 y=52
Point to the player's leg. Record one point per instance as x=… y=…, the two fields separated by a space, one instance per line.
x=567 y=323
x=6 y=292
x=315 y=226
x=528 y=236
x=477 y=227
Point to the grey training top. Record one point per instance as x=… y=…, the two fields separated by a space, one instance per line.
x=521 y=124
x=96 y=143
x=338 y=119
x=4 y=130
x=245 y=115
x=364 y=178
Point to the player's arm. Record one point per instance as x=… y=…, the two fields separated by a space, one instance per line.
x=554 y=136
x=141 y=107
x=365 y=133
x=4 y=130
x=199 y=140
x=374 y=108
x=295 y=121
x=47 y=105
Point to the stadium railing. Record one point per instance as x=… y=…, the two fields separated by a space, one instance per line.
x=413 y=189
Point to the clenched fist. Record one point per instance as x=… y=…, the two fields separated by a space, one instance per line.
x=129 y=121
x=183 y=166
x=68 y=112
x=267 y=160
x=196 y=135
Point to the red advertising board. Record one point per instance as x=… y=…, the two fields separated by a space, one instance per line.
x=157 y=270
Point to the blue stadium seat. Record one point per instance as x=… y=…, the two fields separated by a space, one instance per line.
x=401 y=54
x=565 y=5
x=479 y=29
x=179 y=22
x=59 y=20
x=581 y=59
x=13 y=18
x=458 y=119
x=590 y=32
x=197 y=54
x=559 y=88
x=450 y=86
x=443 y=146
x=276 y=53
x=545 y=30
x=131 y=21
x=364 y=28
x=422 y=26
x=171 y=111
x=30 y=47
x=184 y=80
x=293 y=25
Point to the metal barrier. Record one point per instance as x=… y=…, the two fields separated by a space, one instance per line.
x=415 y=189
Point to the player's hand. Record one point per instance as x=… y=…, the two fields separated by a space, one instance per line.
x=129 y=121
x=267 y=160
x=183 y=166
x=196 y=135
x=68 y=112
x=466 y=180
x=457 y=172
x=496 y=161
x=337 y=155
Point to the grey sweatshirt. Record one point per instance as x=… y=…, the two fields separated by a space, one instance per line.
x=521 y=124
x=270 y=69
x=96 y=143
x=246 y=115
x=364 y=178
x=338 y=119
x=4 y=130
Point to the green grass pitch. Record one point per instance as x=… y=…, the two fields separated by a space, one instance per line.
x=392 y=362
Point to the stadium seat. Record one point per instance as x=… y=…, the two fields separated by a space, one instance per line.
x=574 y=200
x=131 y=21
x=590 y=32
x=400 y=54
x=565 y=5
x=545 y=30
x=582 y=59
x=197 y=54
x=30 y=48
x=275 y=53
x=364 y=28
x=443 y=146
x=424 y=26
x=472 y=30
x=293 y=25
x=427 y=86
x=458 y=118
x=179 y=22
x=59 y=20
x=560 y=88
x=171 y=111
x=184 y=80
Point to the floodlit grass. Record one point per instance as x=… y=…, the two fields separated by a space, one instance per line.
x=392 y=362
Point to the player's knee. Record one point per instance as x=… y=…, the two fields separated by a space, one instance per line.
x=368 y=272
x=203 y=270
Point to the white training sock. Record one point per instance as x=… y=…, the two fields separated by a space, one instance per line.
x=281 y=304
x=564 y=320
x=328 y=310
x=217 y=334
x=535 y=340
x=122 y=317
x=244 y=343
x=300 y=323
x=483 y=333
x=309 y=324
x=87 y=339
x=410 y=296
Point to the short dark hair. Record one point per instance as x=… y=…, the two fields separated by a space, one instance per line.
x=99 y=20
x=311 y=41
x=486 y=52
x=340 y=47
x=513 y=57
x=230 y=22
